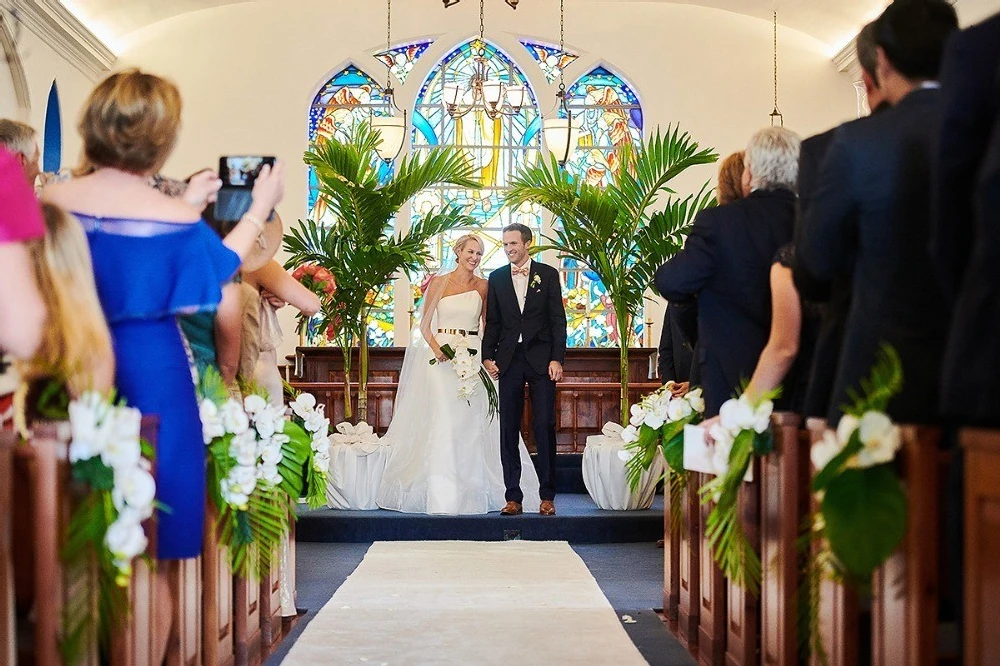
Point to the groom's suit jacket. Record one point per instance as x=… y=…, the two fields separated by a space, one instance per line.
x=541 y=327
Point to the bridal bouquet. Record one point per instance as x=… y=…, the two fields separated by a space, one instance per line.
x=255 y=463
x=108 y=457
x=657 y=423
x=856 y=462
x=743 y=431
x=307 y=414
x=468 y=370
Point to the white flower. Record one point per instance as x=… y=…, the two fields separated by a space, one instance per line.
x=678 y=409
x=233 y=496
x=848 y=424
x=880 y=437
x=89 y=425
x=316 y=422
x=695 y=399
x=303 y=405
x=321 y=462
x=253 y=404
x=638 y=415
x=762 y=416
x=243 y=479
x=823 y=451
x=723 y=446
x=211 y=421
x=125 y=539
x=271 y=455
x=321 y=445
x=234 y=418
x=244 y=448
x=630 y=434
x=134 y=488
x=736 y=414
x=626 y=454
x=125 y=423
x=121 y=453
x=269 y=474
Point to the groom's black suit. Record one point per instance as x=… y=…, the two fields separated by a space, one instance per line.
x=523 y=344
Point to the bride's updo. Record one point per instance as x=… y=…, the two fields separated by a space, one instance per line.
x=461 y=242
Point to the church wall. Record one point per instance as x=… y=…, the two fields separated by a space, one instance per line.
x=248 y=71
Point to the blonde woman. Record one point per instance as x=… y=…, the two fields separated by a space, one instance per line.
x=76 y=344
x=445 y=450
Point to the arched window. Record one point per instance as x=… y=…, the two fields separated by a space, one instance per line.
x=346 y=100
x=611 y=117
x=496 y=147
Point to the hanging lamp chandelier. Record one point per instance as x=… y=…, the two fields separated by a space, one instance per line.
x=391 y=126
x=776 y=116
x=492 y=96
x=561 y=132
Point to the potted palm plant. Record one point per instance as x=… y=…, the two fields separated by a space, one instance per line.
x=362 y=248
x=619 y=231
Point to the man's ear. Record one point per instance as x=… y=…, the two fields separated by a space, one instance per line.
x=882 y=65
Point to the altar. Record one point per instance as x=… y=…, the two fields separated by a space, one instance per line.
x=586 y=398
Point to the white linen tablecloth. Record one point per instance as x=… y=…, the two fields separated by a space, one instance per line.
x=357 y=461
x=604 y=476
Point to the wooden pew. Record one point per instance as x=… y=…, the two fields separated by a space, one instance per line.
x=8 y=609
x=742 y=626
x=671 y=562
x=689 y=568
x=270 y=609
x=981 y=449
x=246 y=621
x=784 y=487
x=218 y=631
x=711 y=593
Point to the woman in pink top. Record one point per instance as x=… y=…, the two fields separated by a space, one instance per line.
x=22 y=313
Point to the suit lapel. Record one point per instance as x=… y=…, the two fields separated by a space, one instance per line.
x=531 y=278
x=508 y=280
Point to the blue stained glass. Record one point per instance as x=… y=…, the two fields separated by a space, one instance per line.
x=52 y=142
x=549 y=58
x=400 y=59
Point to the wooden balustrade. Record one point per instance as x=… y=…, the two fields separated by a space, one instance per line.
x=711 y=593
x=671 y=561
x=981 y=449
x=689 y=567
x=8 y=607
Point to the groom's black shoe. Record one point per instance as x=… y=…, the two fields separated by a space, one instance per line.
x=512 y=509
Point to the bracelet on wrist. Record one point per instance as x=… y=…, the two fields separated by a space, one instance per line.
x=254 y=220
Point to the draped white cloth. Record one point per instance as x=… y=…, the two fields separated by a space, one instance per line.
x=445 y=451
x=357 y=462
x=604 y=473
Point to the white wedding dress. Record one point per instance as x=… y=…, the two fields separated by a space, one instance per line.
x=444 y=453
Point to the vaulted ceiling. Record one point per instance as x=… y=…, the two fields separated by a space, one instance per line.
x=830 y=21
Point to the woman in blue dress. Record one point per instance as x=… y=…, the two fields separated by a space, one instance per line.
x=154 y=259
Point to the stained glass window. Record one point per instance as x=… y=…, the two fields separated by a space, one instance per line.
x=610 y=117
x=497 y=148
x=400 y=59
x=347 y=99
x=549 y=58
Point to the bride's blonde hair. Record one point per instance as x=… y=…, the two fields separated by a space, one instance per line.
x=461 y=242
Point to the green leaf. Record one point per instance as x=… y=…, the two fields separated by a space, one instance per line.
x=673 y=451
x=763 y=443
x=837 y=463
x=865 y=515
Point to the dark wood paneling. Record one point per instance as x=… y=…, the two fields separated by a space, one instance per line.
x=712 y=595
x=689 y=589
x=982 y=545
x=671 y=563
x=742 y=607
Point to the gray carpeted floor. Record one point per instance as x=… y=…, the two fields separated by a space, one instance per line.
x=630 y=575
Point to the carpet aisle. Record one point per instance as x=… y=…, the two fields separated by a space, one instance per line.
x=467 y=602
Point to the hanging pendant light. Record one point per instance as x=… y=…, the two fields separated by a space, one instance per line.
x=561 y=133
x=391 y=126
x=776 y=116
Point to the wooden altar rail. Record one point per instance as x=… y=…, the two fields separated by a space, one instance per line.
x=720 y=623
x=582 y=408
x=981 y=449
x=36 y=499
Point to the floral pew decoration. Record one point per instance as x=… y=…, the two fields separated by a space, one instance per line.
x=311 y=418
x=657 y=425
x=742 y=432
x=256 y=471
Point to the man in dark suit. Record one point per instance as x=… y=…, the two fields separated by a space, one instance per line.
x=964 y=236
x=870 y=216
x=676 y=349
x=525 y=342
x=726 y=263
x=836 y=294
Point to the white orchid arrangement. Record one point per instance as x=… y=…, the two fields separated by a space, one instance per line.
x=109 y=458
x=310 y=416
x=468 y=368
x=856 y=461
x=742 y=431
x=256 y=457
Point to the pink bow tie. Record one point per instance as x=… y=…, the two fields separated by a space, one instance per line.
x=520 y=271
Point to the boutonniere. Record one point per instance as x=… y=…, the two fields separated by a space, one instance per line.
x=536 y=280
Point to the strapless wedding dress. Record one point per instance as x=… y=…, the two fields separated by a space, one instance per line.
x=445 y=450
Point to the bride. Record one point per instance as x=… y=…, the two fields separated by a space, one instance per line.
x=444 y=449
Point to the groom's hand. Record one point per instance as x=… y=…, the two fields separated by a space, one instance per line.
x=491 y=368
x=555 y=371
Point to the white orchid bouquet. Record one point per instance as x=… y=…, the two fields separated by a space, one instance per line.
x=256 y=458
x=743 y=430
x=468 y=369
x=856 y=462
x=310 y=416
x=109 y=459
x=657 y=424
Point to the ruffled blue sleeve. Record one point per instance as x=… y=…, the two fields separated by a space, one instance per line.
x=179 y=269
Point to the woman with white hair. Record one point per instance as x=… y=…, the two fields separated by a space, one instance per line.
x=726 y=262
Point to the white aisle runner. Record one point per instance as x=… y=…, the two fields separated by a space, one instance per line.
x=463 y=602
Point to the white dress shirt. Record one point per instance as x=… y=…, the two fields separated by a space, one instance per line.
x=521 y=287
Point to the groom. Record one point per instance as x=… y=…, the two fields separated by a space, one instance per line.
x=525 y=342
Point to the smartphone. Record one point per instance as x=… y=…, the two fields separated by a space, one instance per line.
x=238 y=173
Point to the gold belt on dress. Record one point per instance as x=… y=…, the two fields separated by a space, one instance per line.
x=457 y=331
